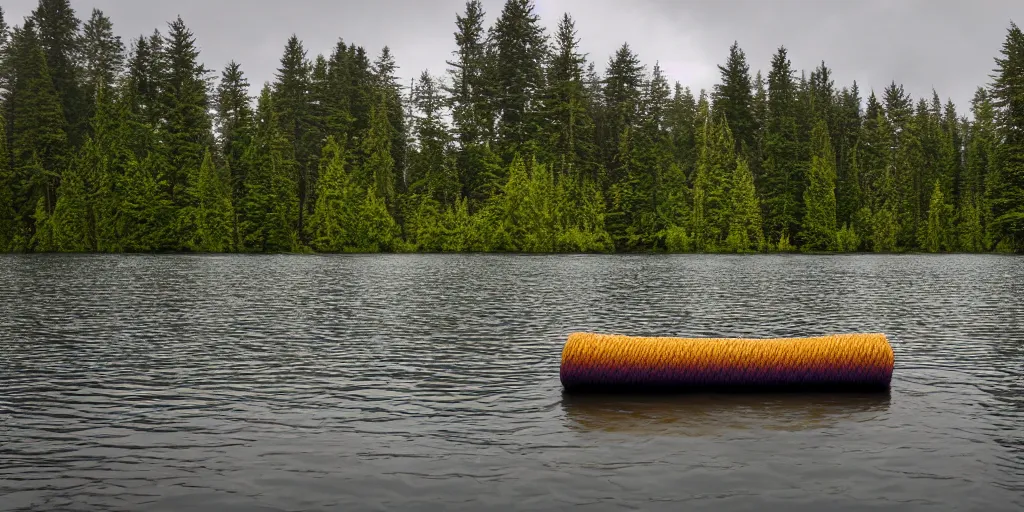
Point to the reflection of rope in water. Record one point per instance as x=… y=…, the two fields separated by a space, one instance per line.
x=710 y=414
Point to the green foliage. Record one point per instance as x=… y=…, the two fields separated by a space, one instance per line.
x=8 y=216
x=884 y=230
x=58 y=31
x=335 y=215
x=375 y=228
x=936 y=233
x=185 y=102
x=519 y=48
x=733 y=98
x=39 y=143
x=206 y=224
x=525 y=146
x=146 y=211
x=745 y=233
x=716 y=162
x=819 y=226
x=971 y=232
x=781 y=182
x=378 y=171
x=847 y=239
x=783 y=245
x=1007 y=199
x=102 y=54
x=269 y=213
x=69 y=224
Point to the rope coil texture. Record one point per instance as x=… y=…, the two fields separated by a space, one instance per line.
x=609 y=362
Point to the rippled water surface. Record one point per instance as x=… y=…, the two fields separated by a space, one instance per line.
x=431 y=383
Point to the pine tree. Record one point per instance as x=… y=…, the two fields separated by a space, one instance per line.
x=186 y=103
x=520 y=47
x=106 y=169
x=819 y=227
x=885 y=227
x=470 y=91
x=745 y=232
x=781 y=182
x=623 y=85
x=146 y=209
x=5 y=55
x=58 y=30
x=680 y=119
x=971 y=232
x=936 y=231
x=334 y=223
x=234 y=124
x=390 y=93
x=569 y=126
x=822 y=98
x=376 y=229
x=715 y=167
x=378 y=172
x=269 y=209
x=848 y=186
x=1008 y=95
x=38 y=137
x=431 y=171
x=293 y=111
x=70 y=222
x=733 y=98
x=146 y=71
x=208 y=219
x=102 y=56
x=8 y=216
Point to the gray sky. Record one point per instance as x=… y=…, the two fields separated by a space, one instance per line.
x=940 y=44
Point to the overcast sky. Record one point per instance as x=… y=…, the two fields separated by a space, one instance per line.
x=948 y=45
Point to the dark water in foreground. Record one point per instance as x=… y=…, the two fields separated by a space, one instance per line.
x=431 y=383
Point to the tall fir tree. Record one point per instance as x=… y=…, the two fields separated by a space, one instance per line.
x=59 y=36
x=268 y=214
x=8 y=216
x=234 y=122
x=819 y=226
x=102 y=58
x=432 y=171
x=848 y=120
x=186 y=104
x=715 y=168
x=378 y=169
x=745 y=232
x=145 y=74
x=734 y=98
x=569 y=126
x=208 y=217
x=386 y=86
x=38 y=138
x=70 y=225
x=520 y=48
x=780 y=181
x=936 y=232
x=293 y=111
x=470 y=91
x=623 y=86
x=1008 y=100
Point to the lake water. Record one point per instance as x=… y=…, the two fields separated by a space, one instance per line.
x=430 y=382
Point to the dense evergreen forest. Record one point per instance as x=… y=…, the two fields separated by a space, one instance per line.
x=522 y=144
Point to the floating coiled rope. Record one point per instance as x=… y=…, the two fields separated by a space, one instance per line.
x=611 y=362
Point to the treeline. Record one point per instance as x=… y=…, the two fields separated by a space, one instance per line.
x=523 y=144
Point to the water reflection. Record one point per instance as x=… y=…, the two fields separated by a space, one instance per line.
x=701 y=415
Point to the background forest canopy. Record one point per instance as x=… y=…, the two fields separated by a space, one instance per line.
x=522 y=145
